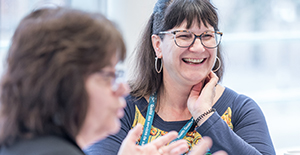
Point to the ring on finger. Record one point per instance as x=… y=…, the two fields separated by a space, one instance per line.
x=160 y=151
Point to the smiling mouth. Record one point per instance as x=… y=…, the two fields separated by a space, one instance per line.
x=193 y=61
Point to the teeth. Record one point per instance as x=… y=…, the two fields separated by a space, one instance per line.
x=197 y=61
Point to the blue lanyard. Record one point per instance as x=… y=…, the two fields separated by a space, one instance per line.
x=184 y=130
x=149 y=121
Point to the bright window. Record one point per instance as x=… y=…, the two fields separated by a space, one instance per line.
x=261 y=45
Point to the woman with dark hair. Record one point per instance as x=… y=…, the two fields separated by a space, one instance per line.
x=175 y=86
x=59 y=92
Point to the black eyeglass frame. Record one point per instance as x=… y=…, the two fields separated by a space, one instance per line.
x=196 y=36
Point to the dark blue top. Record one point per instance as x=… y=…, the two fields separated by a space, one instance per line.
x=43 y=145
x=247 y=133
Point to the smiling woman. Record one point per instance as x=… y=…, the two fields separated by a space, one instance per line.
x=178 y=64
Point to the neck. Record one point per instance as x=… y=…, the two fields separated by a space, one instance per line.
x=87 y=137
x=172 y=102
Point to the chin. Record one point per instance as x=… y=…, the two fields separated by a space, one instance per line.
x=197 y=79
x=115 y=128
x=198 y=76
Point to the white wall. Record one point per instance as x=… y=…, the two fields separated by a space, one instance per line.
x=131 y=16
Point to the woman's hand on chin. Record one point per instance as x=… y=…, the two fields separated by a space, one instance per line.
x=201 y=96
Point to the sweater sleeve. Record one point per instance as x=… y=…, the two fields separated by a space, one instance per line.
x=111 y=144
x=250 y=135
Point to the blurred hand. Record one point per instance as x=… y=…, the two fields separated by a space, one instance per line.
x=201 y=97
x=156 y=147
x=202 y=146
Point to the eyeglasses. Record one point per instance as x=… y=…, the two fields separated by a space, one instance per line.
x=115 y=78
x=184 y=38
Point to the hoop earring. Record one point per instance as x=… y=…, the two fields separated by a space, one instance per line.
x=219 y=62
x=158 y=71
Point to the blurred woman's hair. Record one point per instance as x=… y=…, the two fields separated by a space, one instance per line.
x=53 y=51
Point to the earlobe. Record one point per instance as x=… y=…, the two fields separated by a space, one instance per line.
x=156 y=45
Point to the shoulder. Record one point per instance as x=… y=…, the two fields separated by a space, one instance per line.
x=233 y=99
x=45 y=145
x=238 y=103
x=132 y=109
x=242 y=106
x=242 y=101
x=135 y=102
x=131 y=100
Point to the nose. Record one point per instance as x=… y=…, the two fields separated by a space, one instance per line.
x=122 y=90
x=197 y=45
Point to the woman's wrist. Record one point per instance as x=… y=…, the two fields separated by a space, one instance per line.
x=200 y=119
